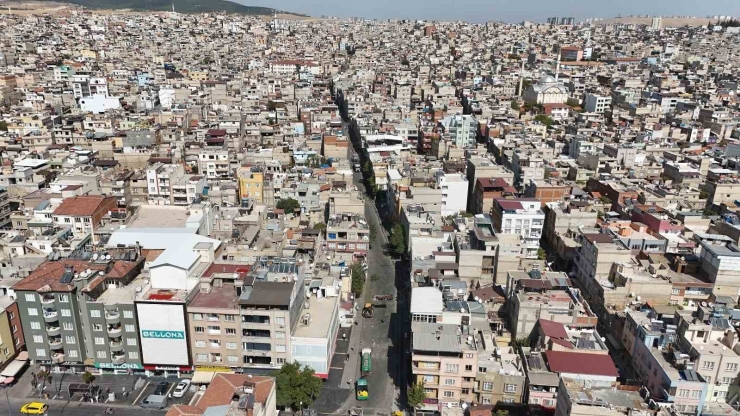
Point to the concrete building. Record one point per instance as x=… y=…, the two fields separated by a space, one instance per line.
x=575 y=399
x=521 y=217
x=720 y=263
x=546 y=91
x=233 y=395
x=84 y=214
x=462 y=128
x=347 y=233
x=599 y=104
x=597 y=254
x=251 y=183
x=454 y=192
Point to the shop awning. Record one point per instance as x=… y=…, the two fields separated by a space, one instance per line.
x=22 y=356
x=13 y=368
x=202 y=377
x=8 y=380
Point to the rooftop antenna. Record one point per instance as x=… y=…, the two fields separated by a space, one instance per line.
x=173 y=7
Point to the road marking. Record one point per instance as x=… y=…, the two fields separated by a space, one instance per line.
x=336 y=368
x=172 y=386
x=142 y=392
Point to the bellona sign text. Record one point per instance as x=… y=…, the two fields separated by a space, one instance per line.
x=163 y=334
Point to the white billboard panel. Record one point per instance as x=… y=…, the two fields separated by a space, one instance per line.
x=163 y=334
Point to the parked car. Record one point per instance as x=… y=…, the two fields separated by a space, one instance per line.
x=161 y=389
x=34 y=408
x=182 y=388
x=154 y=401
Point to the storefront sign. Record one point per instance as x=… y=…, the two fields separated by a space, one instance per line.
x=168 y=368
x=214 y=368
x=163 y=334
x=124 y=366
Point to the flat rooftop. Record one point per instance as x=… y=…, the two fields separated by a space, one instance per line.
x=322 y=312
x=165 y=295
x=155 y=216
x=125 y=294
x=220 y=297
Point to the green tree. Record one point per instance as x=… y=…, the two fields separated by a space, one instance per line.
x=88 y=377
x=544 y=119
x=373 y=233
x=287 y=204
x=398 y=239
x=296 y=386
x=541 y=253
x=271 y=105
x=514 y=104
x=319 y=226
x=573 y=102
x=415 y=396
x=703 y=194
x=358 y=279
x=3 y=125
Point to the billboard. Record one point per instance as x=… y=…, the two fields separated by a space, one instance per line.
x=163 y=334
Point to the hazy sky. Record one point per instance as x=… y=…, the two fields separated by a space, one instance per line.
x=506 y=10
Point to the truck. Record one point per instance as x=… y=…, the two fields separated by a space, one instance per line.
x=368 y=310
x=356 y=163
x=367 y=362
x=361 y=389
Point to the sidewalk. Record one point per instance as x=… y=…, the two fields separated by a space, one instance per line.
x=352 y=367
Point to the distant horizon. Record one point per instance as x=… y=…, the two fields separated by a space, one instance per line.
x=479 y=11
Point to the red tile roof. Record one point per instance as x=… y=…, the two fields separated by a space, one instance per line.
x=50 y=273
x=509 y=204
x=553 y=329
x=222 y=388
x=581 y=363
x=83 y=205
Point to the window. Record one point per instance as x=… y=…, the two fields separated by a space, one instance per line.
x=229 y=318
x=33 y=312
x=486 y=400
x=727 y=380
x=130 y=328
x=95 y=313
x=731 y=367
x=231 y=345
x=97 y=327
x=67 y=312
x=695 y=394
x=279 y=334
x=482 y=369
x=197 y=316
x=38 y=339
x=35 y=325
x=683 y=393
x=40 y=352
x=67 y=220
x=200 y=330
x=232 y=359
x=452 y=368
x=707 y=365
x=63 y=298
x=99 y=341
x=449 y=394
x=201 y=358
x=280 y=320
x=279 y=348
x=488 y=385
x=468 y=368
x=69 y=339
x=131 y=341
x=449 y=382
x=30 y=297
x=508 y=400
x=128 y=314
x=72 y=353
x=14 y=329
x=11 y=315
x=67 y=326
x=214 y=329
x=430 y=379
x=509 y=388
x=134 y=355
x=468 y=355
x=101 y=354
x=200 y=344
x=230 y=331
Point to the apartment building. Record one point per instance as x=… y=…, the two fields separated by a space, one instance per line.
x=444 y=351
x=521 y=216
x=160 y=179
x=577 y=399
x=562 y=217
x=4 y=208
x=719 y=263
x=188 y=190
x=486 y=190
x=499 y=379
x=597 y=254
x=271 y=302
x=454 y=192
x=71 y=314
x=214 y=163
x=251 y=183
x=595 y=103
x=463 y=130
x=12 y=341
x=83 y=214
x=347 y=233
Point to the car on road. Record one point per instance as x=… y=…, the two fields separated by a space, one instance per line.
x=34 y=408
x=182 y=388
x=161 y=388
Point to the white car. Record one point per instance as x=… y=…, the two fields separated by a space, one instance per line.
x=182 y=388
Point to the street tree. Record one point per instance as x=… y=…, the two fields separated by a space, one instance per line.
x=415 y=396
x=296 y=386
x=358 y=279
x=398 y=240
x=88 y=377
x=288 y=204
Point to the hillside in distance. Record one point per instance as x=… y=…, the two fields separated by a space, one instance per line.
x=181 y=6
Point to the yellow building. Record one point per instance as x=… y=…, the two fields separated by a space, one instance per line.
x=250 y=183
x=7 y=340
x=198 y=75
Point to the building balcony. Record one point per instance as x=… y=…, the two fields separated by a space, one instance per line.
x=118 y=359
x=57 y=358
x=56 y=343
x=51 y=316
x=112 y=317
x=52 y=330
x=116 y=345
x=47 y=300
x=114 y=331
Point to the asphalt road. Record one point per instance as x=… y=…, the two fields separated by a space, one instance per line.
x=72 y=408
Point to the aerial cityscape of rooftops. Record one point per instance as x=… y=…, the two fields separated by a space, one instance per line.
x=253 y=213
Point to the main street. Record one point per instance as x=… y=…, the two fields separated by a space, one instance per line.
x=12 y=406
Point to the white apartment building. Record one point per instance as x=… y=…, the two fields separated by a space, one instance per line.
x=521 y=216
x=85 y=86
x=214 y=164
x=160 y=178
x=594 y=103
x=462 y=128
x=454 y=192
